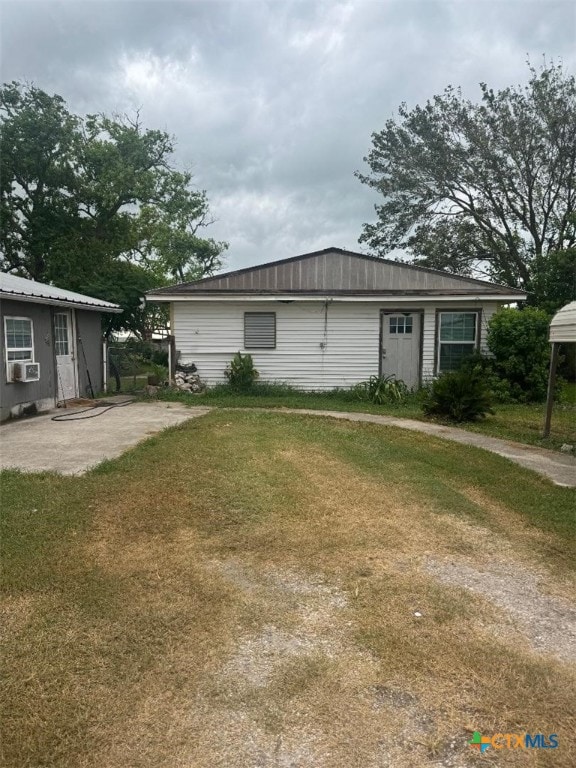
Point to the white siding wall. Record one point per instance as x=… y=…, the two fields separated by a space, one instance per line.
x=487 y=312
x=428 y=343
x=209 y=333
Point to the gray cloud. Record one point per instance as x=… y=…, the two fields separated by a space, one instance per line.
x=273 y=103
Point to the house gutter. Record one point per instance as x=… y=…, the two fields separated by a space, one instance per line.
x=380 y=298
x=9 y=295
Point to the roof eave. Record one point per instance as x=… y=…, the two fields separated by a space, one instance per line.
x=334 y=295
x=10 y=295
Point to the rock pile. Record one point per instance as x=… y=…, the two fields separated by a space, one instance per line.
x=188 y=381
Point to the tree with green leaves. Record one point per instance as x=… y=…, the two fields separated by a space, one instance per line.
x=95 y=205
x=480 y=188
x=554 y=280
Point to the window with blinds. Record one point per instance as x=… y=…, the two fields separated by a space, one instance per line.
x=18 y=335
x=457 y=338
x=259 y=330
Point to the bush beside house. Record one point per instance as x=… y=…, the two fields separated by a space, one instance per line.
x=518 y=343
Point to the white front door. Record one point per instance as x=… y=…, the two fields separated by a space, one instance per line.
x=65 y=358
x=401 y=346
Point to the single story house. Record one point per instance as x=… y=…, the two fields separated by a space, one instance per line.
x=331 y=319
x=51 y=345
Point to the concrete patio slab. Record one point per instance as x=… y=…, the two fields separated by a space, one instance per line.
x=82 y=440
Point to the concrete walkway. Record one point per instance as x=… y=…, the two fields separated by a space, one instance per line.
x=558 y=467
x=39 y=444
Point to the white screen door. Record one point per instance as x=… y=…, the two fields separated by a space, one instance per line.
x=65 y=361
x=401 y=346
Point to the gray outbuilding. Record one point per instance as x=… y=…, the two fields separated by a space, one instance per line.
x=51 y=345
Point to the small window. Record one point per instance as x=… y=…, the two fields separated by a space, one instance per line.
x=18 y=336
x=457 y=338
x=61 y=341
x=400 y=324
x=259 y=330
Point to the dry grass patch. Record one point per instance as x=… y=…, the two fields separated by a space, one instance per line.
x=243 y=590
x=509 y=527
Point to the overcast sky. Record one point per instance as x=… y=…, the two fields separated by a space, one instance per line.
x=273 y=103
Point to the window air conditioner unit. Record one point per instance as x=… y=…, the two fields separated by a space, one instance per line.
x=24 y=372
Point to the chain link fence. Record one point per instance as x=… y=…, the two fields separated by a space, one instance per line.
x=132 y=365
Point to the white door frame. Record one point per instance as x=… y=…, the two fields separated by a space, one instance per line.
x=72 y=340
x=74 y=332
x=401 y=311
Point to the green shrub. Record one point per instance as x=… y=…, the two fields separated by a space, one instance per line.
x=159 y=356
x=485 y=368
x=518 y=341
x=459 y=395
x=160 y=371
x=241 y=373
x=381 y=389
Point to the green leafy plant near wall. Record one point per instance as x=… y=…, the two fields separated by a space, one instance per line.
x=518 y=342
x=484 y=367
x=241 y=373
x=460 y=396
x=159 y=372
x=381 y=389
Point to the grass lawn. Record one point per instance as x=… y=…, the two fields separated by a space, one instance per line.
x=521 y=423
x=524 y=424
x=259 y=589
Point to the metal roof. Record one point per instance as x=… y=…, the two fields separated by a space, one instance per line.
x=21 y=289
x=335 y=271
x=563 y=325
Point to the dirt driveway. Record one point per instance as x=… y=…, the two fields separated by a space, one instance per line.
x=74 y=443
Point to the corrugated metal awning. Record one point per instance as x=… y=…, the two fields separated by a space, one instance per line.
x=22 y=289
x=563 y=325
